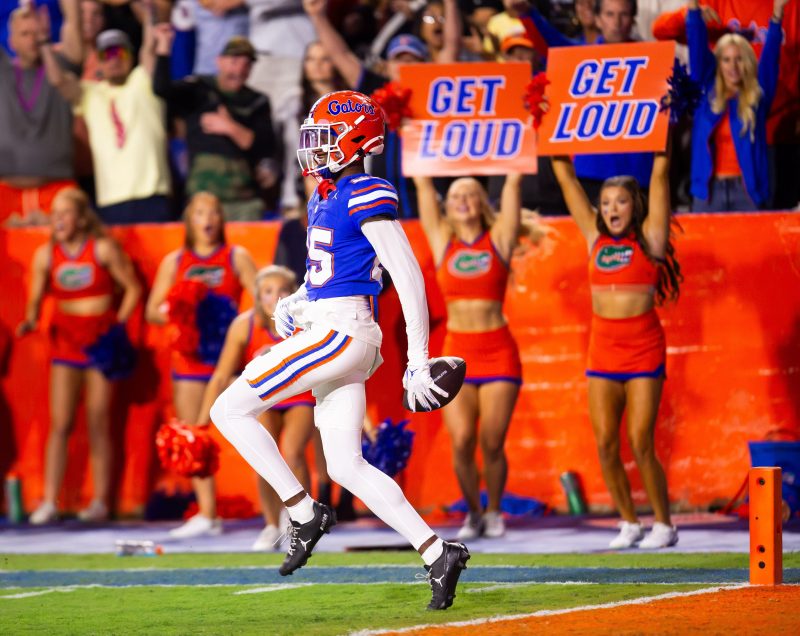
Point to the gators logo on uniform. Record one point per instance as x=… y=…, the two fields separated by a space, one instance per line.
x=210 y=275
x=470 y=263
x=611 y=258
x=75 y=276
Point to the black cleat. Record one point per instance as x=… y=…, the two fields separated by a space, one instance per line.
x=443 y=574
x=305 y=536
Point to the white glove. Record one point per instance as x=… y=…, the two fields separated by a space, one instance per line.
x=420 y=387
x=284 y=322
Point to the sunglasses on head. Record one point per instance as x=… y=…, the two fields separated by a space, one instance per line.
x=113 y=52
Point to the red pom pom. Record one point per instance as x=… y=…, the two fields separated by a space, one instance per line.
x=187 y=450
x=534 y=97
x=394 y=99
x=182 y=300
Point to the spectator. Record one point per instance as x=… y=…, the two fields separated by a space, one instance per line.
x=7 y=7
x=632 y=268
x=126 y=128
x=225 y=270
x=228 y=128
x=752 y=20
x=80 y=267
x=477 y=14
x=730 y=170
x=401 y=21
x=403 y=49
x=441 y=36
x=215 y=25
x=586 y=18
x=35 y=117
x=250 y=335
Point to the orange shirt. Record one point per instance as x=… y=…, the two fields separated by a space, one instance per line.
x=726 y=164
x=472 y=270
x=80 y=275
x=620 y=262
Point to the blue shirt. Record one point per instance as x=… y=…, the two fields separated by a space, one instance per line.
x=341 y=261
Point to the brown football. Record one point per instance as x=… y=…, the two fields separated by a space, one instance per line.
x=448 y=374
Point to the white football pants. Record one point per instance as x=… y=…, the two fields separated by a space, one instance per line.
x=335 y=366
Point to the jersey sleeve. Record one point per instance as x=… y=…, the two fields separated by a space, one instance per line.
x=371 y=197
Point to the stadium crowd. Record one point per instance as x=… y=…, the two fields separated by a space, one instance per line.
x=149 y=111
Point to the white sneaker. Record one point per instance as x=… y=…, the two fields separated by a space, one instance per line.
x=45 y=513
x=494 y=526
x=95 y=511
x=661 y=536
x=629 y=535
x=472 y=528
x=197 y=526
x=268 y=539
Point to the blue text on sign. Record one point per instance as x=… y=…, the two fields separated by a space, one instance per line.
x=597 y=78
x=474 y=139
x=459 y=96
x=626 y=119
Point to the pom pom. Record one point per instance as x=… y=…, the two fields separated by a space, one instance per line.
x=683 y=96
x=183 y=300
x=391 y=449
x=187 y=450
x=112 y=353
x=214 y=315
x=394 y=99
x=534 y=98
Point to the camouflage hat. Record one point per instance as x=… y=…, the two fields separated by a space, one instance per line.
x=239 y=45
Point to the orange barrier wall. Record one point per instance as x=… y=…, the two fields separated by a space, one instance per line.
x=733 y=367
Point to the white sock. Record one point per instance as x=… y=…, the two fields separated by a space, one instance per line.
x=234 y=414
x=303 y=511
x=433 y=552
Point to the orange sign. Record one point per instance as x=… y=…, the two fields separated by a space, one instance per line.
x=468 y=119
x=606 y=98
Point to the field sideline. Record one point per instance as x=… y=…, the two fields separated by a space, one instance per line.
x=337 y=593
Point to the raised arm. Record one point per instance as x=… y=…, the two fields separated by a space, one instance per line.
x=656 y=225
x=702 y=63
x=345 y=61
x=65 y=82
x=452 y=33
x=506 y=227
x=39 y=267
x=578 y=204
x=246 y=268
x=436 y=228
x=147 y=52
x=121 y=269
x=71 y=40
x=155 y=311
x=769 y=63
x=229 y=363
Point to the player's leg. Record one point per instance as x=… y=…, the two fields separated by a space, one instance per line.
x=339 y=414
x=496 y=400
x=65 y=388
x=298 y=428
x=271 y=505
x=461 y=419
x=99 y=391
x=643 y=399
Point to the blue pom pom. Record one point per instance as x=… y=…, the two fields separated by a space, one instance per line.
x=683 y=96
x=391 y=449
x=214 y=315
x=112 y=353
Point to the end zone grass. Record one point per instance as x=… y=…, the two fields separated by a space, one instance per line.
x=316 y=609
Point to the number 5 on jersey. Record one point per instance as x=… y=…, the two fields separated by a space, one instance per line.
x=320 y=269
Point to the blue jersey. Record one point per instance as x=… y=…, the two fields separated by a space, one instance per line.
x=341 y=261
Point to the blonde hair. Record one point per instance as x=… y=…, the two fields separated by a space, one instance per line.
x=268 y=272
x=749 y=91
x=488 y=215
x=87 y=219
x=189 y=237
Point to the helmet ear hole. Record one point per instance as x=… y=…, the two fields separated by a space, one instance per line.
x=359 y=139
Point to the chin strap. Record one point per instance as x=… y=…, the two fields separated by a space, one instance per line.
x=324 y=186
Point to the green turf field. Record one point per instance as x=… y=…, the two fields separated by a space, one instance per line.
x=204 y=607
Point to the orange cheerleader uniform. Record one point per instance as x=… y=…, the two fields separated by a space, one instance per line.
x=217 y=272
x=625 y=348
x=476 y=271
x=75 y=277
x=259 y=341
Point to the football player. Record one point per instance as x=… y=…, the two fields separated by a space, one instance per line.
x=333 y=343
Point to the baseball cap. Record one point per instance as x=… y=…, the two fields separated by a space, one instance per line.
x=515 y=40
x=406 y=43
x=239 y=45
x=113 y=37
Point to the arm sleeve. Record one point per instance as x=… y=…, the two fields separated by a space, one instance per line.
x=179 y=95
x=671 y=25
x=769 y=63
x=702 y=63
x=394 y=251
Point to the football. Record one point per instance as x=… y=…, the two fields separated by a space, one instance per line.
x=448 y=374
